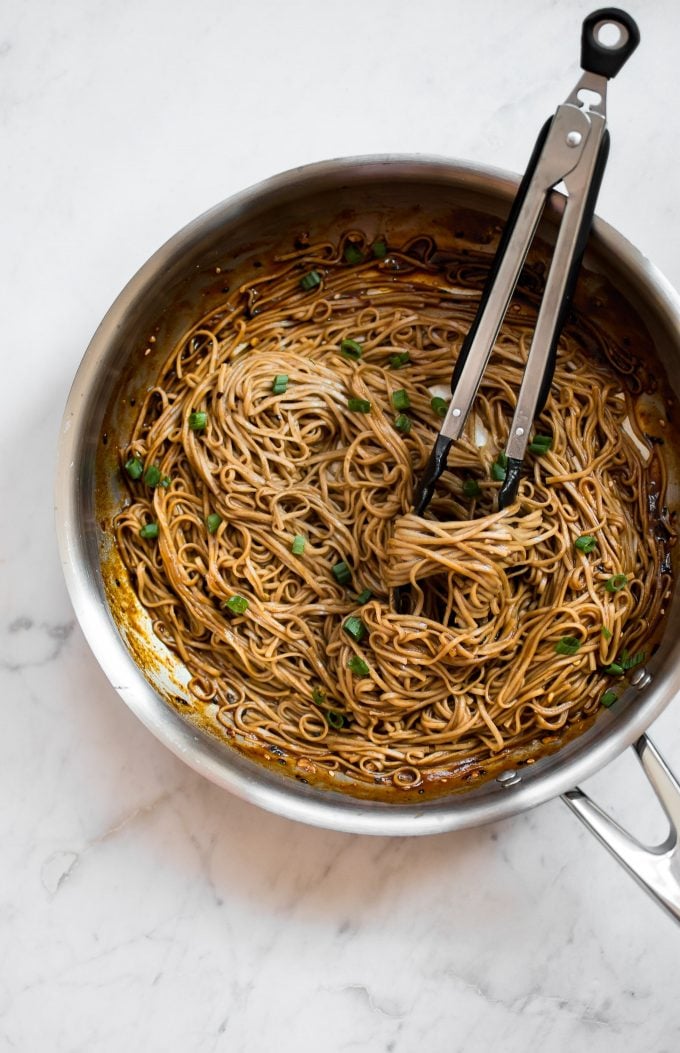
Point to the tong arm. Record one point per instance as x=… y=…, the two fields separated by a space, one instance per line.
x=582 y=186
x=561 y=153
x=575 y=134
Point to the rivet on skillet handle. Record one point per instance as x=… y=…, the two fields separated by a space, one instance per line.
x=657 y=867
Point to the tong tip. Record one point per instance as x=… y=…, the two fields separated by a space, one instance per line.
x=508 y=491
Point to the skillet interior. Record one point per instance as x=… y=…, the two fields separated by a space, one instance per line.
x=398 y=196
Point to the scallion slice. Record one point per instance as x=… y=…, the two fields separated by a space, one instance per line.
x=609 y=698
x=352 y=253
x=568 y=645
x=358 y=666
x=439 y=405
x=310 y=281
x=499 y=468
x=359 y=405
x=280 y=383
x=363 y=597
x=614 y=669
x=165 y=482
x=341 y=573
x=585 y=543
x=350 y=349
x=354 y=627
x=236 y=604
x=402 y=423
x=335 y=719
x=400 y=399
x=318 y=696
x=149 y=530
x=298 y=546
x=134 y=467
x=616 y=583
x=607 y=633
x=399 y=360
x=540 y=444
x=152 y=476
x=379 y=249
x=630 y=661
x=198 y=420
x=471 y=488
x=212 y=522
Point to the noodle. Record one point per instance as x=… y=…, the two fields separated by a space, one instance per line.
x=479 y=664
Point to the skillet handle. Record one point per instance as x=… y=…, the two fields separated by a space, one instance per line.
x=656 y=867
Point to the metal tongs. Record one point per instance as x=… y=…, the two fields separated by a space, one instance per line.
x=572 y=149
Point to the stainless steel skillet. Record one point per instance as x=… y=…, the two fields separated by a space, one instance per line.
x=394 y=194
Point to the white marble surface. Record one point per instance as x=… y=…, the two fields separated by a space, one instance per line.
x=141 y=907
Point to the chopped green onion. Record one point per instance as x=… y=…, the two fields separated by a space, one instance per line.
x=352 y=254
x=379 y=249
x=165 y=482
x=499 y=467
x=335 y=719
x=614 y=669
x=350 y=349
x=567 y=645
x=403 y=423
x=280 y=383
x=629 y=662
x=212 y=522
x=198 y=420
x=152 y=476
x=400 y=399
x=609 y=698
x=471 y=488
x=354 y=627
x=615 y=584
x=540 y=444
x=585 y=543
x=607 y=633
x=342 y=573
x=363 y=597
x=358 y=666
x=298 y=546
x=310 y=281
x=359 y=405
x=134 y=467
x=318 y=696
x=439 y=405
x=236 y=604
x=402 y=359
x=149 y=530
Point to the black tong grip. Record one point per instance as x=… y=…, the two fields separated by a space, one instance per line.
x=433 y=469
x=606 y=61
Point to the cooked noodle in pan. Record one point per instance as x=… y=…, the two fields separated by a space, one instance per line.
x=271 y=470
